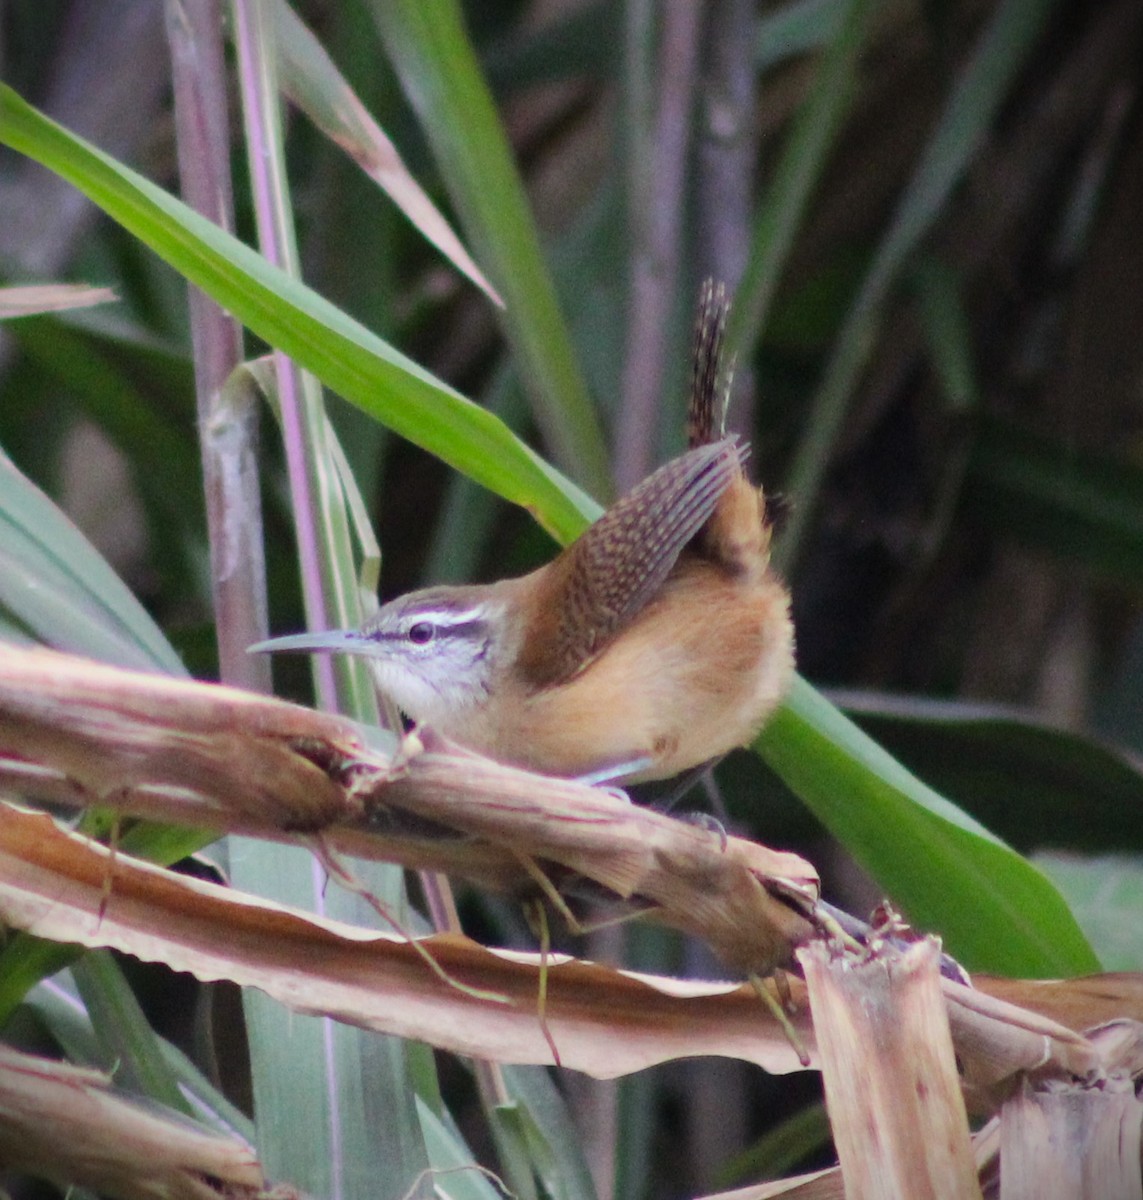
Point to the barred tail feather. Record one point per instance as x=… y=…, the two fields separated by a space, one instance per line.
x=710 y=377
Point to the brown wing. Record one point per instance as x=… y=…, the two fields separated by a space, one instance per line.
x=600 y=583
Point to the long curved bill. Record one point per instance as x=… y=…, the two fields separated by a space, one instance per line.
x=332 y=641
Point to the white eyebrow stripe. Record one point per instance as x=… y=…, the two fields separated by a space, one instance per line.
x=448 y=616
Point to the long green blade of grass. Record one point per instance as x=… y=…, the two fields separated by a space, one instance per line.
x=128 y=1040
x=350 y=359
x=434 y=59
x=796 y=28
x=1017 y=773
x=58 y=1008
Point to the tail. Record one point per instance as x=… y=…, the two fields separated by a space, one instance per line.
x=710 y=378
x=738 y=533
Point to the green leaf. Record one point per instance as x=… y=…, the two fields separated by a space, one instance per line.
x=543 y=1120
x=452 y=1162
x=781 y=1148
x=1017 y=773
x=57 y=1007
x=993 y=909
x=24 y=961
x=1086 y=508
x=129 y=1042
x=796 y=28
x=354 y=362
x=1106 y=895
x=945 y=326
x=356 y=1088
x=57 y=586
x=434 y=59
x=59 y=1010
x=507 y=1127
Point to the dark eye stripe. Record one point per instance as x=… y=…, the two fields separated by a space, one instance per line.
x=440 y=626
x=464 y=629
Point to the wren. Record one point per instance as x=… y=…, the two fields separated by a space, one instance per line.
x=657 y=641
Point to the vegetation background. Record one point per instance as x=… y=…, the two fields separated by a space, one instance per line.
x=927 y=214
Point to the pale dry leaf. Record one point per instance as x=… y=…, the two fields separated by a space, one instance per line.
x=68 y=1125
x=997 y=1041
x=28 y=300
x=603 y=1021
x=81 y=733
x=310 y=79
x=1081 y=1003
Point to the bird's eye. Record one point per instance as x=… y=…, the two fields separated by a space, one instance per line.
x=420 y=633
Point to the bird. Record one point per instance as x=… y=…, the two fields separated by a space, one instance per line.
x=653 y=644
